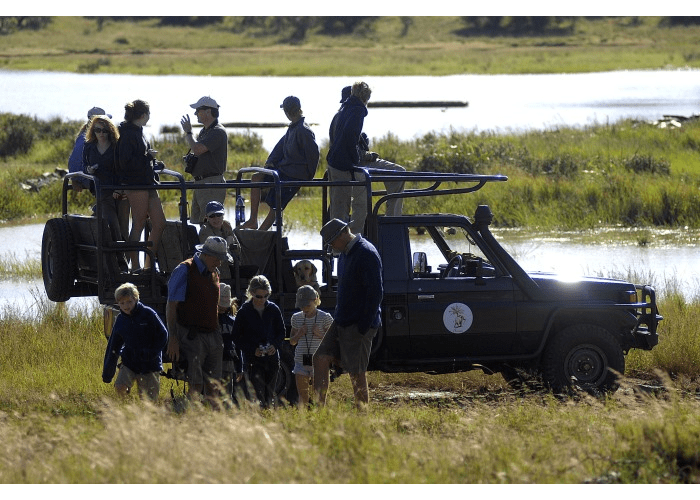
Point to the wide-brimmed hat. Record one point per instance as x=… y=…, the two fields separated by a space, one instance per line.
x=224 y=295
x=216 y=247
x=291 y=103
x=305 y=296
x=332 y=229
x=97 y=111
x=214 y=207
x=205 y=102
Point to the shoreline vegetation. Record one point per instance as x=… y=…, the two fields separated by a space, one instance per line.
x=333 y=46
x=61 y=424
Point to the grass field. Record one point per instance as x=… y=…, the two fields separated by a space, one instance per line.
x=61 y=424
x=390 y=45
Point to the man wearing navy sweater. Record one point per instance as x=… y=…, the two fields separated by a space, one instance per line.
x=357 y=312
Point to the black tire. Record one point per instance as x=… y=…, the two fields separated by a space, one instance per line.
x=58 y=260
x=584 y=356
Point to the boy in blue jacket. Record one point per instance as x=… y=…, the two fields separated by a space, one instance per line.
x=139 y=337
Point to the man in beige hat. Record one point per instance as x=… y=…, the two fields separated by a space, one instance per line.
x=211 y=150
x=357 y=314
x=192 y=316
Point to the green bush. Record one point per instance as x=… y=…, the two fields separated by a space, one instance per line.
x=17 y=133
x=641 y=164
x=245 y=142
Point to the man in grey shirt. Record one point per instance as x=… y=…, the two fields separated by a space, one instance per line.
x=211 y=149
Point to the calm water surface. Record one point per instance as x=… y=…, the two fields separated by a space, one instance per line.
x=496 y=102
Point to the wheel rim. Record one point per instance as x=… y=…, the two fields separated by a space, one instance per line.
x=587 y=364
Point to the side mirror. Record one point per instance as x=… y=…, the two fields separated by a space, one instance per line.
x=420 y=262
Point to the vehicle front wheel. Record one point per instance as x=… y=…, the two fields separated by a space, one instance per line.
x=58 y=260
x=585 y=356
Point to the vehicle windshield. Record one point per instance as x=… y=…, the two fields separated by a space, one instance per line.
x=440 y=244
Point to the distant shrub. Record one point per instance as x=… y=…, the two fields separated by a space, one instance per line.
x=245 y=142
x=647 y=164
x=17 y=133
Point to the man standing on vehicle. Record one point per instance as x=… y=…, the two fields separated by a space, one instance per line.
x=294 y=157
x=357 y=311
x=370 y=159
x=343 y=155
x=211 y=150
x=192 y=316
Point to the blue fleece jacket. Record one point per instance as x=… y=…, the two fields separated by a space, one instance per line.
x=139 y=338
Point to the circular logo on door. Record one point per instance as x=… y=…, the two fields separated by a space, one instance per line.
x=457 y=317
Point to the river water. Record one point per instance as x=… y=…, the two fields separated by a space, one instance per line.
x=668 y=263
x=497 y=103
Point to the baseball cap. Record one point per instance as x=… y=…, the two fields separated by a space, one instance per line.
x=305 y=296
x=291 y=103
x=97 y=111
x=205 y=102
x=214 y=207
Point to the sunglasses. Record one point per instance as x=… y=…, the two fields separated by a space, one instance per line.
x=101 y=130
x=262 y=296
x=212 y=216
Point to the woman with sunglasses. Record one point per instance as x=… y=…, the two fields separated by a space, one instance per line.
x=136 y=166
x=259 y=331
x=101 y=138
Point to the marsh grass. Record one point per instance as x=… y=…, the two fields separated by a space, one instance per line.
x=429 y=45
x=61 y=424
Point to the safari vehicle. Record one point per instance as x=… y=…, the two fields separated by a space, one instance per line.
x=454 y=299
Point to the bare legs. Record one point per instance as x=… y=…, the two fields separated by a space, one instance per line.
x=252 y=222
x=322 y=364
x=145 y=205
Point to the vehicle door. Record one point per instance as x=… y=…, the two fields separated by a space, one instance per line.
x=465 y=311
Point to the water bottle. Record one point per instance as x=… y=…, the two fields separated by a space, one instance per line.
x=240 y=210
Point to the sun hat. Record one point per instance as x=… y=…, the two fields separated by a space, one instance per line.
x=214 y=207
x=305 y=296
x=224 y=295
x=216 y=247
x=291 y=103
x=205 y=102
x=332 y=229
x=97 y=111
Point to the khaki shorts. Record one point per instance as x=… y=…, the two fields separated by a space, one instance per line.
x=148 y=383
x=349 y=346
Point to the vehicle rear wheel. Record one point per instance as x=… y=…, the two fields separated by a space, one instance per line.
x=585 y=356
x=58 y=260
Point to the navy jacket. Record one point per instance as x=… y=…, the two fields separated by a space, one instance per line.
x=139 y=338
x=344 y=134
x=250 y=329
x=296 y=153
x=360 y=288
x=106 y=173
x=133 y=162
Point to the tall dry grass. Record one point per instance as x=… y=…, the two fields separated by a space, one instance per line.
x=60 y=424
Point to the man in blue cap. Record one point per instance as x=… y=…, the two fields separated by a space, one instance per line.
x=294 y=157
